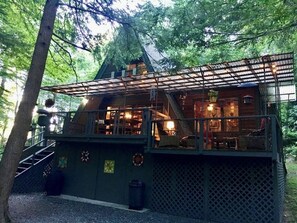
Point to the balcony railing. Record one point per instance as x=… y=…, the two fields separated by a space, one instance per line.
x=248 y=133
x=100 y=122
x=236 y=134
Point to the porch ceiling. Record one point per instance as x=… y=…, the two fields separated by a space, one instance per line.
x=269 y=69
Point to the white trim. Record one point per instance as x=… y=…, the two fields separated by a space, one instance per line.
x=101 y=203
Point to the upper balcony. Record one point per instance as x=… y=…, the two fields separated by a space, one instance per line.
x=254 y=136
x=222 y=128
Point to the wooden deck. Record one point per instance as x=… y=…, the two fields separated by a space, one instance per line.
x=149 y=131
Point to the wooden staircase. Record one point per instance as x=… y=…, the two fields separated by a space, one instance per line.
x=35 y=165
x=34 y=155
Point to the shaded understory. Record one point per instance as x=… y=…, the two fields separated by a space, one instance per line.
x=291 y=193
x=36 y=208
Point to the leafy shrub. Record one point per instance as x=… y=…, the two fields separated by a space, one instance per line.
x=291 y=151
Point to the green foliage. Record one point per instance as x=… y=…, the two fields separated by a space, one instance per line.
x=289 y=123
x=291 y=192
x=19 y=23
x=199 y=32
x=124 y=48
x=291 y=151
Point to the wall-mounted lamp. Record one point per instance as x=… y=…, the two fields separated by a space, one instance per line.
x=248 y=99
x=210 y=107
x=170 y=125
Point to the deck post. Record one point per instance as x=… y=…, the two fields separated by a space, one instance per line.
x=66 y=122
x=147 y=127
x=90 y=123
x=200 y=138
x=274 y=138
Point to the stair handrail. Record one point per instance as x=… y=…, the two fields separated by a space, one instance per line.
x=32 y=156
x=37 y=136
x=40 y=142
x=39 y=151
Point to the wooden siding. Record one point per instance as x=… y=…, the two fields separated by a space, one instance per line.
x=187 y=104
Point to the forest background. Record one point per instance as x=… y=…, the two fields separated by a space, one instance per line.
x=190 y=32
x=74 y=37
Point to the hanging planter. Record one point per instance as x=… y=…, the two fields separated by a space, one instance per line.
x=213 y=96
x=49 y=103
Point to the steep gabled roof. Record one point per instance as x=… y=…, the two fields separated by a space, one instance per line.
x=150 y=55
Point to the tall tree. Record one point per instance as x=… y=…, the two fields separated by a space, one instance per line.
x=199 y=32
x=72 y=30
x=17 y=138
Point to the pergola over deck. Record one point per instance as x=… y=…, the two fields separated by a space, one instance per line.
x=274 y=72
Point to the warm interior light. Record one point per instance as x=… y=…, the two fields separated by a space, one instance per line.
x=210 y=107
x=274 y=68
x=170 y=125
x=108 y=113
x=232 y=107
x=128 y=115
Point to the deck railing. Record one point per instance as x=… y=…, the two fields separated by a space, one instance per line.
x=247 y=133
x=100 y=122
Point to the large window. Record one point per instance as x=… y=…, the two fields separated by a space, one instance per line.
x=225 y=108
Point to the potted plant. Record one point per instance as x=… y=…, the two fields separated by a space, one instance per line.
x=213 y=95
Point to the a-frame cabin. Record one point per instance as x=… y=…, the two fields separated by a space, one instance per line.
x=205 y=141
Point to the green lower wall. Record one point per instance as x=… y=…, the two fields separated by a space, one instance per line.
x=214 y=189
x=88 y=180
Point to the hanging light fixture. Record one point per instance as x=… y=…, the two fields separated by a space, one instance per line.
x=247 y=99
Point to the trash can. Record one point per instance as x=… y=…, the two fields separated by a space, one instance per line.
x=136 y=195
x=54 y=183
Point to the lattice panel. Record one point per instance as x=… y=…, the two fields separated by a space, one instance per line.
x=215 y=189
x=241 y=191
x=178 y=187
x=281 y=188
x=33 y=180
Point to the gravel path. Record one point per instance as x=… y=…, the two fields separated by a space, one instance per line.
x=37 y=208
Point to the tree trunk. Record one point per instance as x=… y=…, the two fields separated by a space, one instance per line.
x=17 y=138
x=2 y=88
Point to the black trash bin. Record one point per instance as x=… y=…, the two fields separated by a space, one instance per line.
x=136 y=195
x=54 y=183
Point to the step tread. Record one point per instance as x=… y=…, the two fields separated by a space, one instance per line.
x=26 y=163
x=22 y=168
